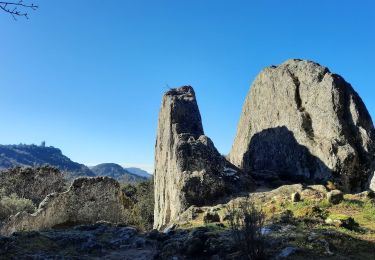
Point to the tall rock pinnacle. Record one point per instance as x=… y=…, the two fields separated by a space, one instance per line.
x=188 y=168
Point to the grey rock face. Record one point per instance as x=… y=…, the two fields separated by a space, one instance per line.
x=87 y=201
x=188 y=168
x=303 y=123
x=372 y=181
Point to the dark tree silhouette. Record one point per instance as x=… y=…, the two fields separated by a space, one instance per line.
x=17 y=8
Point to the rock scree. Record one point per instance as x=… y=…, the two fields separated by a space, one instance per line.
x=303 y=123
x=87 y=201
x=188 y=168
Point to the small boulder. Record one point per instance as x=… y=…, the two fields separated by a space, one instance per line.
x=318 y=187
x=312 y=237
x=370 y=195
x=211 y=217
x=296 y=197
x=226 y=216
x=335 y=196
x=342 y=221
x=286 y=252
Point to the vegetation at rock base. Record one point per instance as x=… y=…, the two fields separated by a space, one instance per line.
x=32 y=183
x=139 y=202
x=298 y=230
x=246 y=223
x=12 y=204
x=302 y=229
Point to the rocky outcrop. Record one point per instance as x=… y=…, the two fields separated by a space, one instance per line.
x=87 y=201
x=372 y=181
x=188 y=168
x=303 y=123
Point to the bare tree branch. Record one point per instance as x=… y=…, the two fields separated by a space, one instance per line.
x=17 y=8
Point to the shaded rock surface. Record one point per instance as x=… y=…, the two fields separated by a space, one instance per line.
x=95 y=241
x=88 y=200
x=308 y=233
x=103 y=241
x=188 y=168
x=335 y=196
x=303 y=123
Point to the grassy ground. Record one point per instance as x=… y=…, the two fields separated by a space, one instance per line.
x=303 y=225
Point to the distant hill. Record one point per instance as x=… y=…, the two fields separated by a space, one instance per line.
x=38 y=155
x=139 y=172
x=117 y=172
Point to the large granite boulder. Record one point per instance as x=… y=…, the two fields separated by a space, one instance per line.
x=303 y=123
x=188 y=168
x=87 y=201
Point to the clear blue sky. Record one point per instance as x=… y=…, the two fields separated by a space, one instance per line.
x=88 y=76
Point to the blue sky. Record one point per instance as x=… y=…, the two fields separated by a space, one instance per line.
x=88 y=76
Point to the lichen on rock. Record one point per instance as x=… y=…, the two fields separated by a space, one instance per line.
x=188 y=168
x=306 y=124
x=87 y=201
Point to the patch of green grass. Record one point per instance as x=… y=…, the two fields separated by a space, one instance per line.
x=369 y=211
x=338 y=216
x=306 y=208
x=324 y=204
x=216 y=229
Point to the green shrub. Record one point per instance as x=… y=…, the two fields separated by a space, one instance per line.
x=32 y=183
x=139 y=202
x=369 y=210
x=246 y=223
x=10 y=205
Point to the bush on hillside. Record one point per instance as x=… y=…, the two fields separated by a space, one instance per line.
x=139 y=202
x=32 y=183
x=11 y=205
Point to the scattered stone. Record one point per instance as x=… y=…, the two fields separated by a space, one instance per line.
x=211 y=217
x=169 y=230
x=296 y=197
x=312 y=237
x=288 y=251
x=342 y=221
x=320 y=188
x=335 y=197
x=316 y=128
x=366 y=195
x=226 y=217
x=326 y=247
x=266 y=231
x=69 y=243
x=91 y=246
